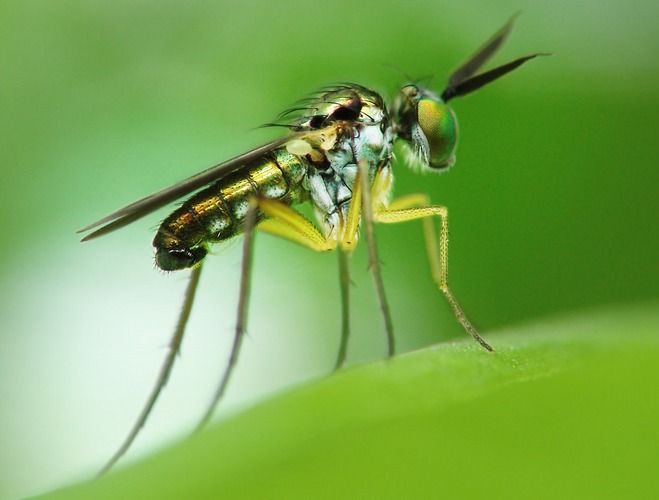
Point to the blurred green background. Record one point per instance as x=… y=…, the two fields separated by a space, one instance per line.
x=553 y=200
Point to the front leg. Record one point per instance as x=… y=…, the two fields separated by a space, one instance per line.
x=403 y=210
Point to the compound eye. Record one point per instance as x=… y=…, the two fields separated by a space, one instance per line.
x=438 y=124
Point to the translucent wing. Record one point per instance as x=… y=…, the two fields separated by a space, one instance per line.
x=145 y=206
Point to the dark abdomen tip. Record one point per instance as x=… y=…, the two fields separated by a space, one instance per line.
x=177 y=259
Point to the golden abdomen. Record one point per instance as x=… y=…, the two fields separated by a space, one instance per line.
x=218 y=212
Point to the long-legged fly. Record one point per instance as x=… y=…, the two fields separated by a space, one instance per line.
x=339 y=157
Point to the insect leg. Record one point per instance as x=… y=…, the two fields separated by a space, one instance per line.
x=344 y=279
x=286 y=223
x=374 y=262
x=243 y=302
x=404 y=210
x=165 y=370
x=291 y=225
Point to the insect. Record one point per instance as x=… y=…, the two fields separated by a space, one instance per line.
x=339 y=157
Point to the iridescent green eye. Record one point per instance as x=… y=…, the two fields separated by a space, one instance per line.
x=438 y=124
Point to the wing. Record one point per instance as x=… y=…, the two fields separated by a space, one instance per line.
x=145 y=206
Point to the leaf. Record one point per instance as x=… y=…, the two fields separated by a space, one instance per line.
x=564 y=408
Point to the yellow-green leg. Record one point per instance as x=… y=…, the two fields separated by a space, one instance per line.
x=403 y=210
x=287 y=223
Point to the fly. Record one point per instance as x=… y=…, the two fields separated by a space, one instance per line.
x=339 y=157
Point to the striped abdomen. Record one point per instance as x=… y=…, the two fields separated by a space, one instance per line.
x=218 y=212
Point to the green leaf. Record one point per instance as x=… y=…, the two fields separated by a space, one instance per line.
x=564 y=408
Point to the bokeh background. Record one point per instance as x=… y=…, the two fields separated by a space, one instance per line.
x=553 y=200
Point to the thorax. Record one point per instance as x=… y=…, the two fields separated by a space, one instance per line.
x=354 y=126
